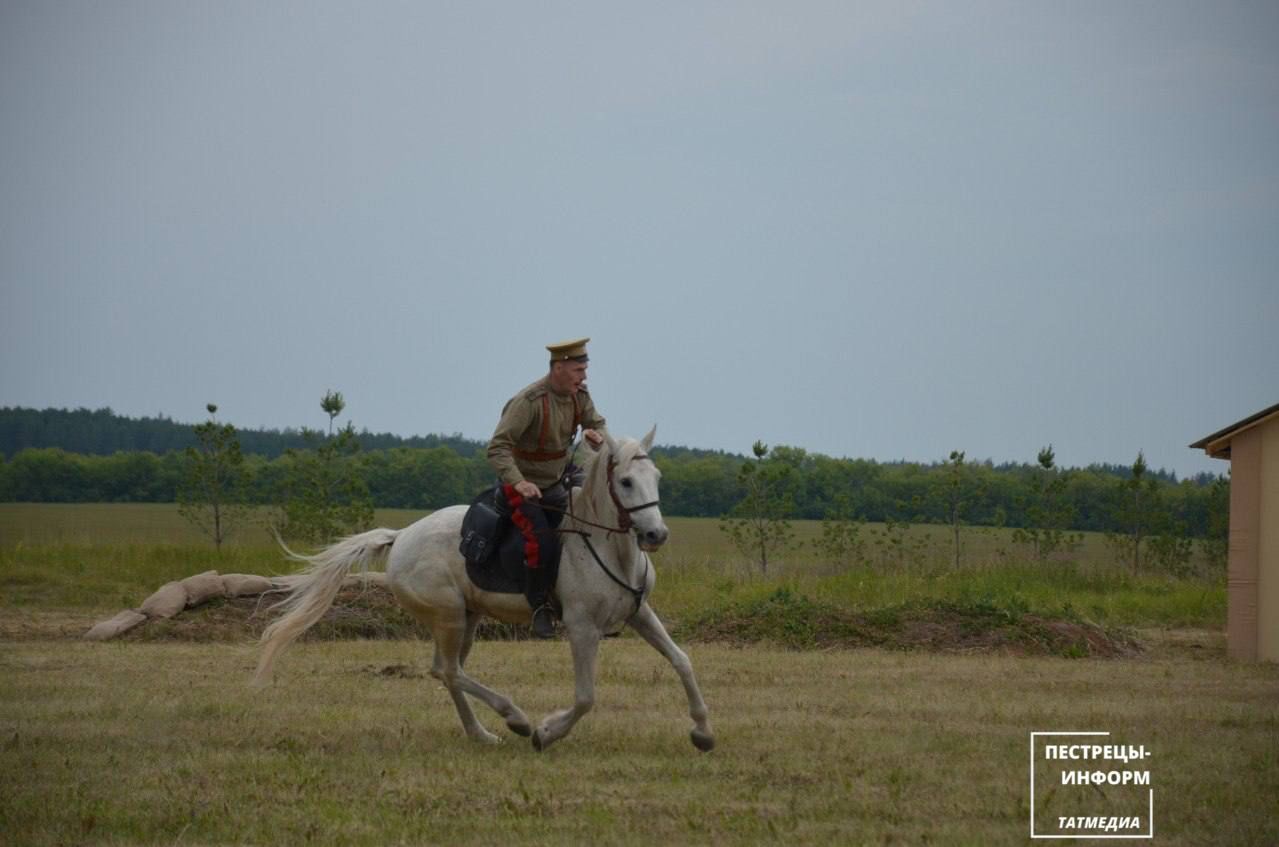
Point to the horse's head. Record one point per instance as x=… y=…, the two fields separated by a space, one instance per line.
x=631 y=478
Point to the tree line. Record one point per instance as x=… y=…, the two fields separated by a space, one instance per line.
x=695 y=483
x=1145 y=521
x=101 y=432
x=400 y=478
x=329 y=486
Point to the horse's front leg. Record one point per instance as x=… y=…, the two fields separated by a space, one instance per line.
x=650 y=628
x=584 y=640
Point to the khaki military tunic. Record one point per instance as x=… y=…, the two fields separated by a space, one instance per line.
x=533 y=437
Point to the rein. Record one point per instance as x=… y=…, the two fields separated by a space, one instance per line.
x=569 y=511
x=625 y=525
x=637 y=594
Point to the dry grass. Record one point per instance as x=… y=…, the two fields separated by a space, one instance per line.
x=164 y=743
x=790 y=620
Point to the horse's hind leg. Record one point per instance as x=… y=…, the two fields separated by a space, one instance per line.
x=452 y=645
x=446 y=668
x=516 y=721
x=468 y=637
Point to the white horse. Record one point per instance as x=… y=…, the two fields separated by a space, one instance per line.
x=605 y=578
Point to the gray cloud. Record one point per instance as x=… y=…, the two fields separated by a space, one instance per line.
x=881 y=230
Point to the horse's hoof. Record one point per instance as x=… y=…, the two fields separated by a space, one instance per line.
x=703 y=741
x=538 y=744
x=487 y=738
x=520 y=727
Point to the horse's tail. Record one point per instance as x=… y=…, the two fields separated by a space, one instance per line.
x=311 y=592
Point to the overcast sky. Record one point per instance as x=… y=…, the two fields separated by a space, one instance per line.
x=881 y=230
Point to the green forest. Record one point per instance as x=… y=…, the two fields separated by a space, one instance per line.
x=101 y=432
x=65 y=456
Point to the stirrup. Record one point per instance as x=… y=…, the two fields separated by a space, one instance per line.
x=544 y=621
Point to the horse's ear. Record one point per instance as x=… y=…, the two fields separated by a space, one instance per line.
x=647 y=441
x=613 y=447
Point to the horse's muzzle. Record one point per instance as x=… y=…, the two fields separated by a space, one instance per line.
x=651 y=539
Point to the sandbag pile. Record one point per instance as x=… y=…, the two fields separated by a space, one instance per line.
x=174 y=597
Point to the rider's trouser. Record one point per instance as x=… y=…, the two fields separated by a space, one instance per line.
x=541 y=542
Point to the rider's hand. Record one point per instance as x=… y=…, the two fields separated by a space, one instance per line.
x=593 y=438
x=527 y=490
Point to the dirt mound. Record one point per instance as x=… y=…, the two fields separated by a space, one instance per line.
x=357 y=612
x=792 y=620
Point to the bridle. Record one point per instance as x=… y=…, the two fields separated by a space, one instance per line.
x=625 y=524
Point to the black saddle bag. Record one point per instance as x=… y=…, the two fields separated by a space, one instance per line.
x=485 y=525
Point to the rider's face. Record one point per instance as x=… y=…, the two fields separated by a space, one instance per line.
x=568 y=377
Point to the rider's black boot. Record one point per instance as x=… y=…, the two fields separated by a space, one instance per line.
x=538 y=592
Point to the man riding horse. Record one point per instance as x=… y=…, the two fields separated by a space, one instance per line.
x=529 y=451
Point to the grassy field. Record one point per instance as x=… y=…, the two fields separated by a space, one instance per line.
x=128 y=743
x=44 y=524
x=165 y=744
x=111 y=556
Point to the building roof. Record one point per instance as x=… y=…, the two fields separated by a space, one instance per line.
x=1217 y=445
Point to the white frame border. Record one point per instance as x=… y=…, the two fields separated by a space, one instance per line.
x=1150 y=815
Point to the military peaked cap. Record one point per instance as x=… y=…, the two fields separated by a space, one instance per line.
x=574 y=349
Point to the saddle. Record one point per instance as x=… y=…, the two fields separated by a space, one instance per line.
x=493 y=548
